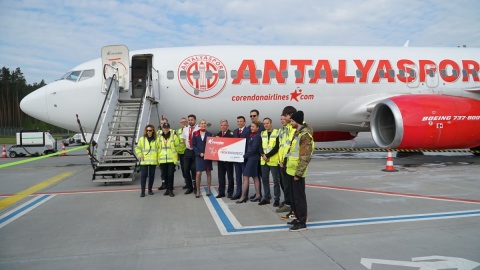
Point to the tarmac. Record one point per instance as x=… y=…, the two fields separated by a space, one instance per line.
x=425 y=216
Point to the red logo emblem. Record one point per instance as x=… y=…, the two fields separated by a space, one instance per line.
x=202 y=76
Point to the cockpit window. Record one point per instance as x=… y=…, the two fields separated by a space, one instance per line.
x=87 y=74
x=72 y=75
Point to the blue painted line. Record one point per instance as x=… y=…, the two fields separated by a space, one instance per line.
x=231 y=229
x=24 y=208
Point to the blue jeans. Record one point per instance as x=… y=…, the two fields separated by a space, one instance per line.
x=266 y=169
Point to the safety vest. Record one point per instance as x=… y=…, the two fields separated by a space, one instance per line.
x=268 y=145
x=167 y=151
x=148 y=150
x=293 y=156
x=181 y=144
x=285 y=140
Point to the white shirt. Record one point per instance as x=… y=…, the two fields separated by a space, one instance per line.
x=186 y=133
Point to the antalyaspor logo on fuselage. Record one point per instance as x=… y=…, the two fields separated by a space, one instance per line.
x=202 y=76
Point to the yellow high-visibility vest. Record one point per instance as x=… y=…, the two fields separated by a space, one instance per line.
x=268 y=144
x=293 y=157
x=149 y=150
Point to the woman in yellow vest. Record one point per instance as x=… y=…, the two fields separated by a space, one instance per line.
x=147 y=153
x=168 y=157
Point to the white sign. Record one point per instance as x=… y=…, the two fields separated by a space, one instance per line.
x=426 y=263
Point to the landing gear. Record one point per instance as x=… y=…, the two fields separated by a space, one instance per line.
x=477 y=149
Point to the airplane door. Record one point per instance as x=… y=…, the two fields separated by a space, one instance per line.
x=145 y=78
x=411 y=73
x=431 y=78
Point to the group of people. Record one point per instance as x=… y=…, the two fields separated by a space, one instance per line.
x=283 y=153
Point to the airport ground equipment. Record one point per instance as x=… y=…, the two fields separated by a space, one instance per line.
x=125 y=112
x=33 y=143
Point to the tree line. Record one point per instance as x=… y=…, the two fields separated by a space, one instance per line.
x=13 y=88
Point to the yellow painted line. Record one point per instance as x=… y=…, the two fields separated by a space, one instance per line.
x=29 y=191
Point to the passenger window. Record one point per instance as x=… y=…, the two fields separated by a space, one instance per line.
x=443 y=72
x=87 y=74
x=474 y=73
x=465 y=73
x=221 y=74
x=431 y=73
x=323 y=73
x=258 y=74
x=381 y=73
x=196 y=74
x=454 y=73
x=209 y=74
x=233 y=74
x=183 y=74
x=311 y=73
x=284 y=73
x=391 y=73
x=412 y=73
x=272 y=74
x=246 y=74
x=298 y=73
x=335 y=73
x=170 y=75
x=359 y=73
x=401 y=72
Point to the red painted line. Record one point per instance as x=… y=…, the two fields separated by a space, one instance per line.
x=397 y=193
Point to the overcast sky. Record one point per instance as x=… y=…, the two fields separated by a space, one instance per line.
x=48 y=38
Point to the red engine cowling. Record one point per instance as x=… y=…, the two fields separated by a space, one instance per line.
x=426 y=122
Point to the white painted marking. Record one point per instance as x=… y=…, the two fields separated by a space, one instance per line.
x=426 y=263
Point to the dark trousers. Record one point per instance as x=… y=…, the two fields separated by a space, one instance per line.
x=300 y=205
x=225 y=167
x=189 y=163
x=238 y=177
x=169 y=170
x=147 y=170
x=285 y=184
x=182 y=167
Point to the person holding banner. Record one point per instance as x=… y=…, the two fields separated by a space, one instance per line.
x=252 y=159
x=199 y=142
x=225 y=167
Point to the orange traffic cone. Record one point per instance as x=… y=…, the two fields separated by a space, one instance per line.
x=4 y=152
x=63 y=150
x=389 y=167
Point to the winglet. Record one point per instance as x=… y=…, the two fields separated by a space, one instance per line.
x=406 y=43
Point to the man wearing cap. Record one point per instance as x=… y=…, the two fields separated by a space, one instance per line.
x=168 y=157
x=298 y=158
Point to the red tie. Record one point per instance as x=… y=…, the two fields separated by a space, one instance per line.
x=223 y=134
x=190 y=137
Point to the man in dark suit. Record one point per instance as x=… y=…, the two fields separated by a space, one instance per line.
x=241 y=132
x=225 y=167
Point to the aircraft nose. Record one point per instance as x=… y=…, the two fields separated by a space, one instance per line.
x=35 y=104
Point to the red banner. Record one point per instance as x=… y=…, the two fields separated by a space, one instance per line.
x=225 y=149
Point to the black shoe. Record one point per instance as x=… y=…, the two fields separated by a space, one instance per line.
x=220 y=196
x=276 y=203
x=150 y=192
x=255 y=199
x=142 y=195
x=162 y=187
x=264 y=202
x=167 y=192
x=300 y=226
x=252 y=197
x=229 y=196
x=236 y=197
x=242 y=201
x=292 y=223
x=185 y=187
x=189 y=190
x=171 y=193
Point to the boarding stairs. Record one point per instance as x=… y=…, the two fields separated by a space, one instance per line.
x=122 y=121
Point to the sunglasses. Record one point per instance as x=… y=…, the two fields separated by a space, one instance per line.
x=252 y=116
x=149 y=130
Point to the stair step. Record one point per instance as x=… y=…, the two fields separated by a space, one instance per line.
x=113 y=172
x=117 y=164
x=123 y=122
x=119 y=158
x=113 y=180
x=119 y=148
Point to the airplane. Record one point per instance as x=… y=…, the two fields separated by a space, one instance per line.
x=408 y=97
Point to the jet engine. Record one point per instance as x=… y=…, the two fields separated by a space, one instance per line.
x=426 y=122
